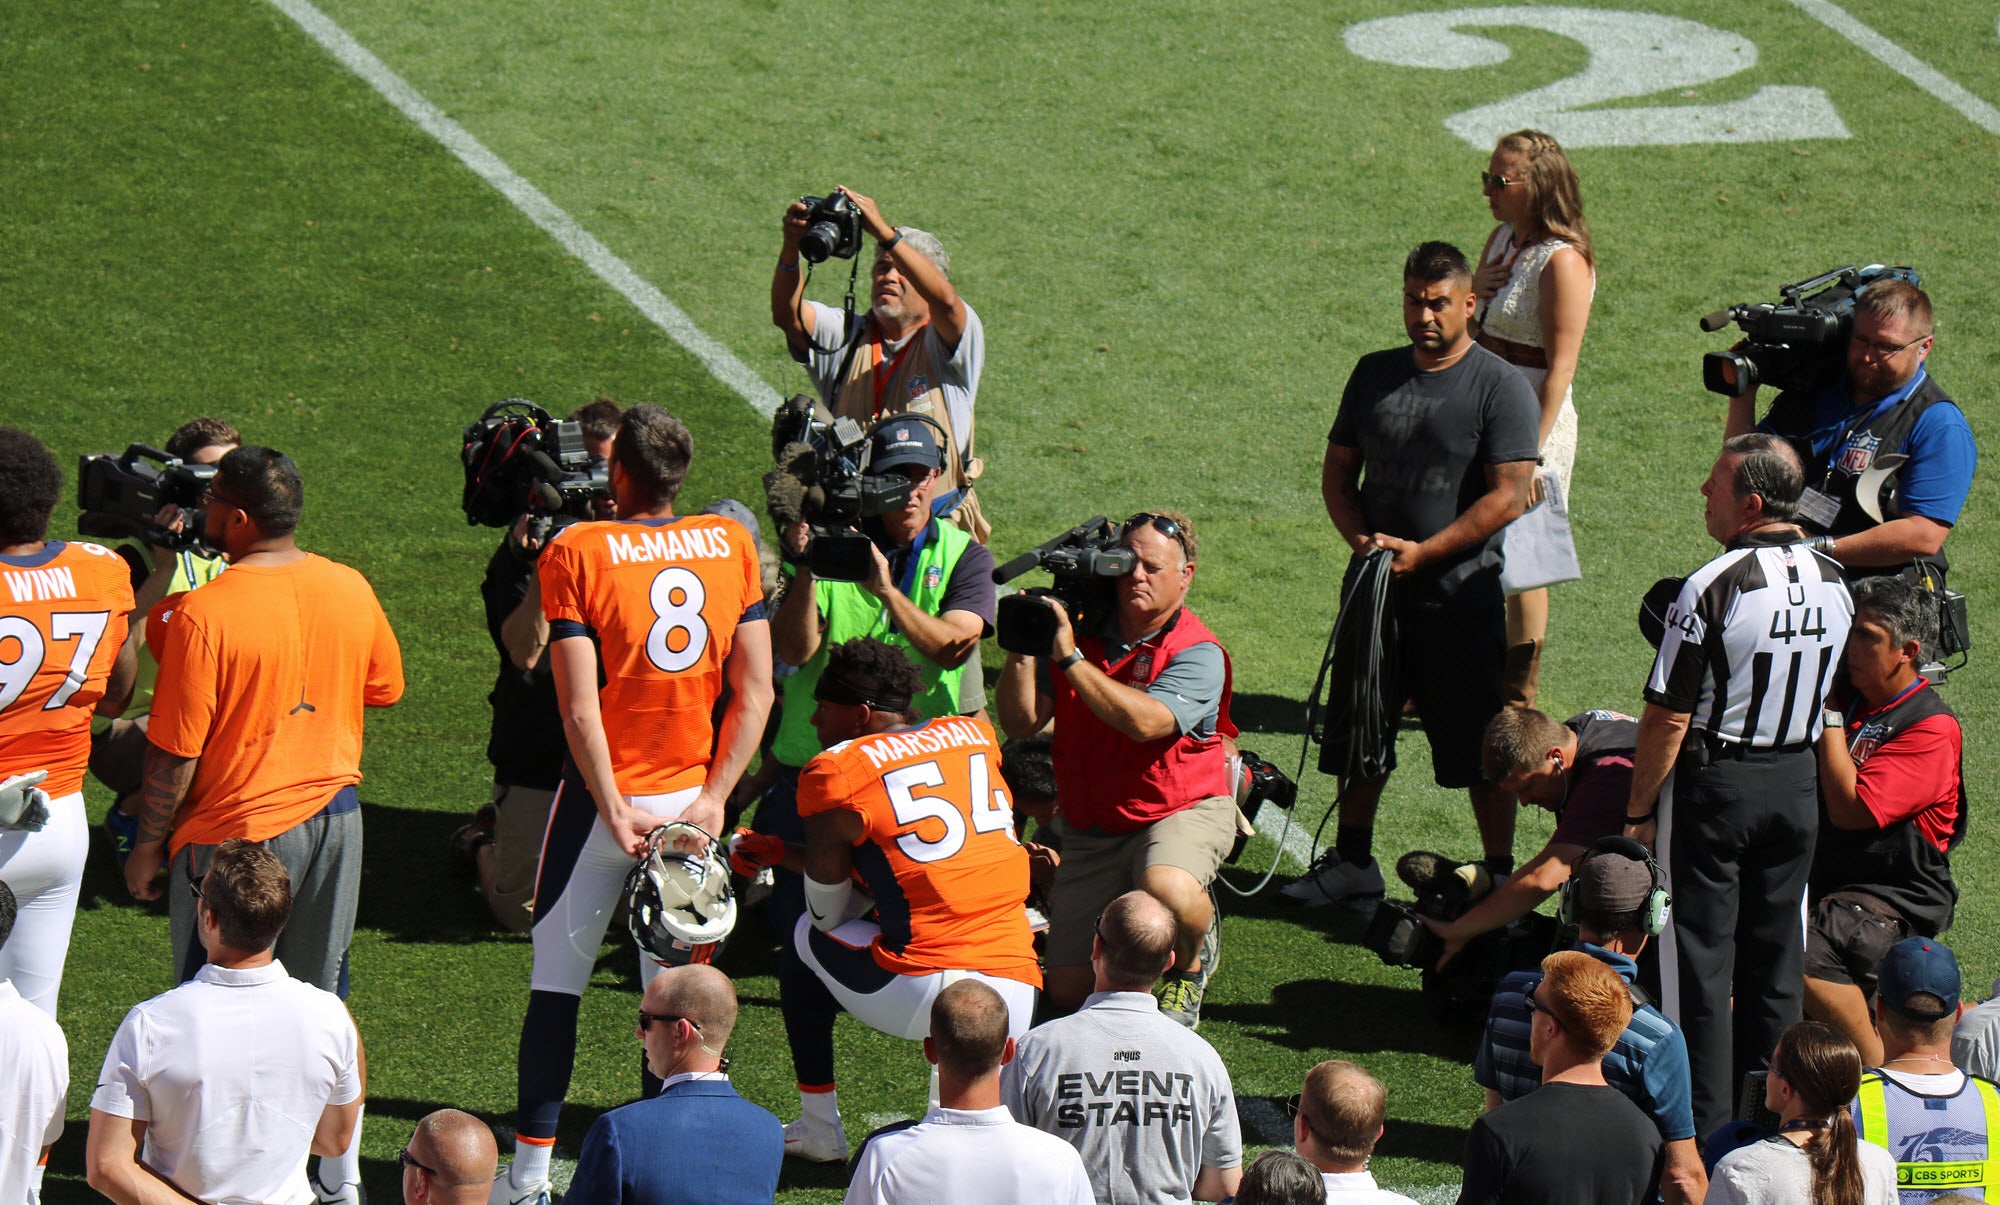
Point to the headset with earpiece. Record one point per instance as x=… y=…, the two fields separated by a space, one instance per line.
x=1659 y=901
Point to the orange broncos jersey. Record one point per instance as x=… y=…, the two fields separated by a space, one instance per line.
x=62 y=619
x=663 y=598
x=937 y=847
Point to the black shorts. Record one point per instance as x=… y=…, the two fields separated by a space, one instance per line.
x=1452 y=667
x=1847 y=933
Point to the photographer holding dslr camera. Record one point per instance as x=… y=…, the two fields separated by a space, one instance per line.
x=1889 y=457
x=918 y=349
x=1139 y=692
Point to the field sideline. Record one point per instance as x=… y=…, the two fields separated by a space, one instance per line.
x=1180 y=223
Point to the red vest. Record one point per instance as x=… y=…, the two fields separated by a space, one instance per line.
x=1107 y=781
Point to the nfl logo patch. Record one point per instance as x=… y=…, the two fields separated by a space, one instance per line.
x=918 y=387
x=1859 y=453
x=932 y=576
x=1142 y=667
x=902 y=434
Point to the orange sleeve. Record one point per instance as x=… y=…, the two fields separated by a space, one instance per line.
x=385 y=665
x=823 y=786
x=561 y=588
x=184 y=693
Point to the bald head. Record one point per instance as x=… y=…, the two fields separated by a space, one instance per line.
x=1138 y=934
x=699 y=993
x=968 y=1029
x=458 y=1149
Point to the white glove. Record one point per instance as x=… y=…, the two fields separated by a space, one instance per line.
x=23 y=803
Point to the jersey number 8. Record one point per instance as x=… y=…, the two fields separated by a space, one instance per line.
x=683 y=617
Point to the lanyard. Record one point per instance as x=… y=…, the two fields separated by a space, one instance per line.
x=1840 y=444
x=883 y=377
x=1916 y=685
x=909 y=576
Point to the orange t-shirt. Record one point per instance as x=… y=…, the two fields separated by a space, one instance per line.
x=62 y=619
x=263 y=676
x=937 y=846
x=663 y=597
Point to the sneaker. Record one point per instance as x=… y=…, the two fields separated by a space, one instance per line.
x=816 y=1141
x=462 y=847
x=121 y=830
x=1333 y=880
x=346 y=1194
x=1180 y=997
x=503 y=1192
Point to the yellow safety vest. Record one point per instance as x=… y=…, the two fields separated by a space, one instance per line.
x=1933 y=1175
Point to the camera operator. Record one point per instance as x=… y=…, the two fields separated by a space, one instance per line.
x=118 y=750
x=930 y=595
x=1581 y=770
x=1141 y=711
x=1892 y=807
x=919 y=349
x=1885 y=403
x=1723 y=779
x=503 y=843
x=1616 y=899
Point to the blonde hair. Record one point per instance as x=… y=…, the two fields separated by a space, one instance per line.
x=1554 y=196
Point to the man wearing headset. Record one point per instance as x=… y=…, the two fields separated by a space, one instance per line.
x=931 y=596
x=1617 y=898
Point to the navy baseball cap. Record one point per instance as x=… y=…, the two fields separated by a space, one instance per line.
x=899 y=442
x=1917 y=965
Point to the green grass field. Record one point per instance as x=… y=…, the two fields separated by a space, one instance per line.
x=1180 y=222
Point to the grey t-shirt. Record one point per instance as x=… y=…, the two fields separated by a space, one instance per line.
x=1975 y=1044
x=1425 y=440
x=1143 y=1099
x=958 y=369
x=1190 y=685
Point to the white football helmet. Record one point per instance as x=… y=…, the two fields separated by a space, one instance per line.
x=680 y=906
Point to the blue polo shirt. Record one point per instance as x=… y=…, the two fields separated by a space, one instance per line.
x=1942 y=455
x=1649 y=1064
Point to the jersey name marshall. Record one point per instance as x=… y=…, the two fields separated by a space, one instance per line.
x=932 y=738
x=1128 y=1097
x=669 y=544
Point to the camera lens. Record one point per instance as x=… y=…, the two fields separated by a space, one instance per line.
x=818 y=241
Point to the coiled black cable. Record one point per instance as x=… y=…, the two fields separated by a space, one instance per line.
x=1356 y=730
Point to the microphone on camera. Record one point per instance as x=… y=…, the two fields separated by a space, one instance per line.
x=1716 y=321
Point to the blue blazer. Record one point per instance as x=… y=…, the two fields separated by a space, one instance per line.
x=698 y=1141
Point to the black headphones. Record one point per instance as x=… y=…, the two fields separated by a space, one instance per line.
x=1659 y=902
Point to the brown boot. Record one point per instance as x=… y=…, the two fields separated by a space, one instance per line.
x=1522 y=675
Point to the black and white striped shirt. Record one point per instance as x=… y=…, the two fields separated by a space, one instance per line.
x=1753 y=640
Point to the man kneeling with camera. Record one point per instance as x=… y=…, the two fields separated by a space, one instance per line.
x=1617 y=898
x=1141 y=708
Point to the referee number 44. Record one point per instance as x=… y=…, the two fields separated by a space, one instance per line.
x=1798 y=622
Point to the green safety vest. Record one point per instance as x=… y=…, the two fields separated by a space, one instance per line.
x=1910 y=1115
x=851 y=613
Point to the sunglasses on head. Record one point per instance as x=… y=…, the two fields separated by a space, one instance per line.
x=1167 y=527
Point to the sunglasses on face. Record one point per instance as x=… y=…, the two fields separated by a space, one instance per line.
x=646 y=1020
x=405 y=1158
x=1489 y=180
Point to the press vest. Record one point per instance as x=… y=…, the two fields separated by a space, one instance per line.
x=1941 y=1143
x=851 y=612
x=1885 y=433
x=877 y=382
x=1107 y=781
x=1896 y=865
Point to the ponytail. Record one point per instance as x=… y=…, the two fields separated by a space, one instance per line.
x=1836 y=1162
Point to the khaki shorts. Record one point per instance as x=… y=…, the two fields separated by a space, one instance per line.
x=1099 y=867
x=521 y=817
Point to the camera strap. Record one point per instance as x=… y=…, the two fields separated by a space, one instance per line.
x=884 y=375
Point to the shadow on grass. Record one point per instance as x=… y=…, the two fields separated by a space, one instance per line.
x=403 y=870
x=1268 y=715
x=1305 y=1014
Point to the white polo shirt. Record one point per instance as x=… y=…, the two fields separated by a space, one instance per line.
x=969 y=1157
x=231 y=1071
x=1358 y=1188
x=36 y=1062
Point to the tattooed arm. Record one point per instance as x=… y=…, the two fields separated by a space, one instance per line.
x=167 y=780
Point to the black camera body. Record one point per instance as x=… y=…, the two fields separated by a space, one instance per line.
x=820 y=479
x=520 y=460
x=1267 y=784
x=1445 y=890
x=120 y=495
x=1798 y=341
x=1086 y=562
x=833 y=228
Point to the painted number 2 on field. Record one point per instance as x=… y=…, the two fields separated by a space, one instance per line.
x=1631 y=55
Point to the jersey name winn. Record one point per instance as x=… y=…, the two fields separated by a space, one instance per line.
x=63 y=615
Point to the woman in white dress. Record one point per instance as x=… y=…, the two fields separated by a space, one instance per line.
x=1815 y=1158
x=1535 y=281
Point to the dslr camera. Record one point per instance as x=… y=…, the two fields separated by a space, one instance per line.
x=821 y=478
x=521 y=461
x=1796 y=342
x=833 y=228
x=121 y=495
x=1086 y=562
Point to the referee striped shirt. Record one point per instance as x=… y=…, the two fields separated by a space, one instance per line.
x=1753 y=640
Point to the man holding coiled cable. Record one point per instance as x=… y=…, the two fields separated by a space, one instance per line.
x=1430 y=456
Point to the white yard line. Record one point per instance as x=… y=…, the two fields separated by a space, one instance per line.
x=1270 y=821
x=719 y=360
x=1903 y=63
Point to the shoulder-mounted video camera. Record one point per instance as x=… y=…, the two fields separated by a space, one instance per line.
x=1797 y=341
x=1445 y=890
x=521 y=461
x=121 y=494
x=1086 y=562
x=822 y=478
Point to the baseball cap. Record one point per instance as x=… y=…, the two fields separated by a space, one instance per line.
x=730 y=508
x=899 y=443
x=1610 y=880
x=1918 y=965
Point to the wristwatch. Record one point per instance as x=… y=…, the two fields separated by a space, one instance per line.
x=1075 y=655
